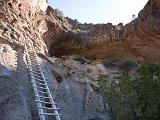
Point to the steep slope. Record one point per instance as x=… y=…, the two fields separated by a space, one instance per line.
x=138 y=40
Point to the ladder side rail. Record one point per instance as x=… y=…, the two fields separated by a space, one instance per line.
x=50 y=96
x=40 y=110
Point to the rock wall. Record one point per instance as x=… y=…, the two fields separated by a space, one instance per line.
x=21 y=22
x=27 y=22
x=57 y=26
x=30 y=22
x=75 y=86
x=16 y=96
x=138 y=39
x=73 y=83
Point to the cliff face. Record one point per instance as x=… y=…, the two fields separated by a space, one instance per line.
x=37 y=23
x=26 y=22
x=56 y=25
x=138 y=40
x=20 y=22
x=73 y=83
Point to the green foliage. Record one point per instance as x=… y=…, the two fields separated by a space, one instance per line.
x=127 y=65
x=109 y=63
x=77 y=31
x=80 y=58
x=60 y=15
x=134 y=99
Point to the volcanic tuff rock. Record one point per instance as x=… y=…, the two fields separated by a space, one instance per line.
x=73 y=83
x=137 y=40
x=27 y=22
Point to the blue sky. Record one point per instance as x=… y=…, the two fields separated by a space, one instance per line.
x=99 y=11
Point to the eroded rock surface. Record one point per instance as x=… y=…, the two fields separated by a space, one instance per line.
x=73 y=83
x=25 y=22
x=138 y=39
x=75 y=86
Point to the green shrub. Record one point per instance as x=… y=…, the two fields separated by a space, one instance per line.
x=127 y=65
x=134 y=99
x=80 y=58
x=110 y=62
x=60 y=15
x=77 y=31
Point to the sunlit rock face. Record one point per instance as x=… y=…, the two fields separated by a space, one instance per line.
x=23 y=21
x=56 y=26
x=139 y=39
x=30 y=21
x=42 y=4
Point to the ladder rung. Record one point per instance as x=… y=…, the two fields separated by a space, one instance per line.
x=35 y=63
x=44 y=97
x=36 y=72
x=40 y=77
x=32 y=56
x=45 y=102
x=38 y=83
x=34 y=60
x=31 y=52
x=48 y=108
x=52 y=114
x=33 y=68
x=42 y=88
x=37 y=69
x=41 y=80
x=44 y=92
x=30 y=70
